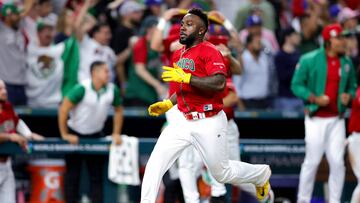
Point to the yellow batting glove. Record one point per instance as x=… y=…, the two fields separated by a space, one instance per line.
x=160 y=107
x=175 y=74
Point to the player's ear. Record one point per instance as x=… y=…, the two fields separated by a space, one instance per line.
x=202 y=31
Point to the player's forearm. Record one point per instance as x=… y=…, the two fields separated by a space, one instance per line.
x=118 y=120
x=215 y=83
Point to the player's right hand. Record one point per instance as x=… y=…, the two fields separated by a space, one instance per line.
x=323 y=100
x=72 y=139
x=160 y=107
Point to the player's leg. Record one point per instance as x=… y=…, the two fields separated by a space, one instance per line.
x=315 y=129
x=210 y=140
x=335 y=151
x=233 y=140
x=354 y=152
x=232 y=136
x=189 y=165
x=7 y=184
x=170 y=144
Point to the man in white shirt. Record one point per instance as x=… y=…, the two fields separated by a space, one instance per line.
x=87 y=104
x=256 y=84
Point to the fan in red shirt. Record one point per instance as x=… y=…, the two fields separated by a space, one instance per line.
x=200 y=74
x=10 y=126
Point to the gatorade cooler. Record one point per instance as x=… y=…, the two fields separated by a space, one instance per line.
x=47 y=181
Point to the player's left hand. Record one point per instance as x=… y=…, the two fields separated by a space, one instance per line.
x=37 y=137
x=345 y=98
x=160 y=107
x=116 y=139
x=175 y=74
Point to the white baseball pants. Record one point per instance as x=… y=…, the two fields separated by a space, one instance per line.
x=7 y=183
x=354 y=154
x=323 y=135
x=190 y=165
x=208 y=137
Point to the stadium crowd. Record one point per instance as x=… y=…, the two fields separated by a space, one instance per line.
x=48 y=47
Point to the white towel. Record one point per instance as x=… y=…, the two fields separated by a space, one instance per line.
x=124 y=162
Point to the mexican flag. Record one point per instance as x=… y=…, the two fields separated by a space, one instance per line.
x=51 y=73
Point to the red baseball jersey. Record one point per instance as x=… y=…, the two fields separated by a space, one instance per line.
x=202 y=60
x=331 y=88
x=8 y=118
x=354 y=121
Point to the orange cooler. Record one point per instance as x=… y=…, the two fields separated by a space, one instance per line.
x=47 y=181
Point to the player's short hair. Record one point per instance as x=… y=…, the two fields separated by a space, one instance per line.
x=198 y=12
x=95 y=65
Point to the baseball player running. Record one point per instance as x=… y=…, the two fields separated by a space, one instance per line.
x=199 y=74
x=354 y=142
x=326 y=81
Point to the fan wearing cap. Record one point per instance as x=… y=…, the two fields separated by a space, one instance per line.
x=262 y=7
x=13 y=44
x=254 y=26
x=325 y=80
x=348 y=18
x=39 y=9
x=153 y=8
x=52 y=69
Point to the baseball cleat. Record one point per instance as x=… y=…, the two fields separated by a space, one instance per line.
x=262 y=192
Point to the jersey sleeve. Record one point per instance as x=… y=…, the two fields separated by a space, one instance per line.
x=140 y=53
x=214 y=63
x=76 y=94
x=118 y=101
